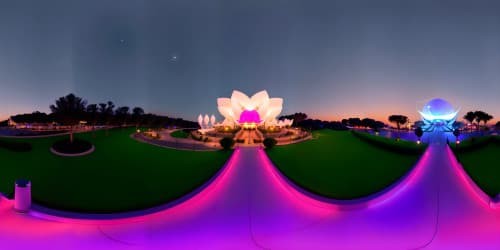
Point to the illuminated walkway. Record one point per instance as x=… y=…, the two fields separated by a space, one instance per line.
x=250 y=207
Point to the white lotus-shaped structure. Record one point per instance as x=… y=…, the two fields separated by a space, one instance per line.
x=259 y=109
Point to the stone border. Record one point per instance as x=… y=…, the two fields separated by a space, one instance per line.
x=90 y=151
x=158 y=143
x=307 y=138
x=36 y=136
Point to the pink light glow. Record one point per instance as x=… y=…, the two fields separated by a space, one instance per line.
x=250 y=206
x=249 y=116
x=471 y=186
x=190 y=206
x=391 y=192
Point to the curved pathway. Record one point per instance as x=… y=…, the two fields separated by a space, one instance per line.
x=250 y=206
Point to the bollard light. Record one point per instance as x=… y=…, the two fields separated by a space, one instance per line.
x=22 y=196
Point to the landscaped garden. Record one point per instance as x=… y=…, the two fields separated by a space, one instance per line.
x=479 y=157
x=180 y=134
x=122 y=174
x=346 y=165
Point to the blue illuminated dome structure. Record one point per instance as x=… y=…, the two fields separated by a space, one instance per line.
x=438 y=114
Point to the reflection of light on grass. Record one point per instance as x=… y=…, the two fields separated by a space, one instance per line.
x=468 y=183
x=181 y=208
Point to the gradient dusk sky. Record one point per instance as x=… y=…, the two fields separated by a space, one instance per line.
x=330 y=59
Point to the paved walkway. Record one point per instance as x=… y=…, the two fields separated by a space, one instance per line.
x=250 y=207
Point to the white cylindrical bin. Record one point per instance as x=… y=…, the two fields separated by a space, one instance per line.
x=22 y=196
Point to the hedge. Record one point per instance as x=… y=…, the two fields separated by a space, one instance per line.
x=398 y=146
x=16 y=146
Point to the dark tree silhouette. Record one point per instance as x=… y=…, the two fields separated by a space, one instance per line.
x=69 y=110
x=137 y=114
x=368 y=123
x=481 y=116
x=92 y=113
x=138 y=111
x=399 y=120
x=470 y=117
x=419 y=132
x=487 y=117
x=297 y=117
x=354 y=122
x=109 y=112
x=122 y=114
x=456 y=133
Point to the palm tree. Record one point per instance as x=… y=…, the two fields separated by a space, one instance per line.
x=69 y=110
x=480 y=115
x=470 y=117
x=487 y=117
x=399 y=120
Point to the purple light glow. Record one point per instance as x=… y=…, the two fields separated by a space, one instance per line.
x=249 y=116
x=249 y=206
x=438 y=110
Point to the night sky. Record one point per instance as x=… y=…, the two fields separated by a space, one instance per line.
x=330 y=59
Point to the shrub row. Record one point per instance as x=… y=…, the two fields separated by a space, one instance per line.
x=475 y=143
x=270 y=142
x=398 y=146
x=15 y=146
x=227 y=143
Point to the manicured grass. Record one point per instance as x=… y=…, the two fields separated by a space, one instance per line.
x=121 y=175
x=340 y=165
x=179 y=134
x=481 y=163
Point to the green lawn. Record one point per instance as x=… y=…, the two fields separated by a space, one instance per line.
x=121 y=175
x=482 y=164
x=339 y=165
x=179 y=134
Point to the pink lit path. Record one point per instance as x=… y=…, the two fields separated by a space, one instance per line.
x=249 y=206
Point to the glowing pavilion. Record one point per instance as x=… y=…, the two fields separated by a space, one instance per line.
x=438 y=114
x=250 y=112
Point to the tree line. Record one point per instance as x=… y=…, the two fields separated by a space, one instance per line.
x=69 y=110
x=478 y=117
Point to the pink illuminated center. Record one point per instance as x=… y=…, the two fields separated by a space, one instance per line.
x=249 y=116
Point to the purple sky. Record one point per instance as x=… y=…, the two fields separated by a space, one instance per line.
x=330 y=59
